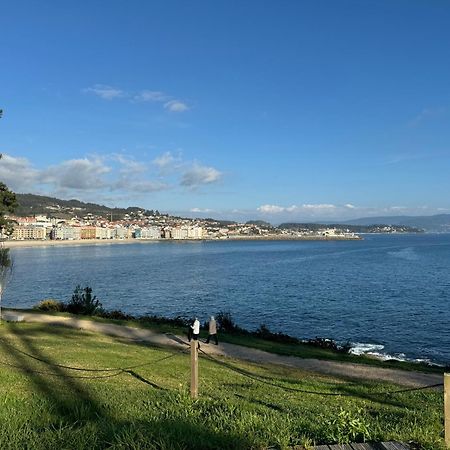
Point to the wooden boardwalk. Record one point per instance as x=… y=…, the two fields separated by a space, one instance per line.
x=375 y=446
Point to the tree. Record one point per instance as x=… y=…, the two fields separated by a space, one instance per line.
x=8 y=204
x=6 y=266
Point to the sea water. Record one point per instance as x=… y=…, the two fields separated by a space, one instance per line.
x=387 y=294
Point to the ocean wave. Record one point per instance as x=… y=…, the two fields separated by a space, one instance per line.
x=375 y=350
x=359 y=348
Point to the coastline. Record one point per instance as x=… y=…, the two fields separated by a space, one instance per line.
x=69 y=243
x=73 y=243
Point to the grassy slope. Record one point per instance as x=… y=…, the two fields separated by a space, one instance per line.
x=299 y=350
x=149 y=407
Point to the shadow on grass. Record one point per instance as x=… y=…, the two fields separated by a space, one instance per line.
x=336 y=390
x=52 y=381
x=179 y=434
x=74 y=404
x=143 y=380
x=256 y=401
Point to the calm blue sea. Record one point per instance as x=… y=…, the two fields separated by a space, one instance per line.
x=387 y=294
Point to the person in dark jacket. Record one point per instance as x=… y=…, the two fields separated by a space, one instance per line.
x=212 y=331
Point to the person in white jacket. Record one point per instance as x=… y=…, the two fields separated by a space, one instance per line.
x=195 y=329
x=212 y=331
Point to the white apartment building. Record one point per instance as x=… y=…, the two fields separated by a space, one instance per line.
x=195 y=232
x=67 y=233
x=187 y=232
x=119 y=232
x=151 y=233
x=103 y=233
x=179 y=232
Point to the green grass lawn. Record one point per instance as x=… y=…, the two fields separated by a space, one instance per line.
x=241 y=405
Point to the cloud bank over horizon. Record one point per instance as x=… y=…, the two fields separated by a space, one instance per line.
x=119 y=179
x=113 y=177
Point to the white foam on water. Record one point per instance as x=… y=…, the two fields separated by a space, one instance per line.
x=375 y=350
x=359 y=348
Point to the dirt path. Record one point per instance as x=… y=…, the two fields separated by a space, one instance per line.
x=347 y=370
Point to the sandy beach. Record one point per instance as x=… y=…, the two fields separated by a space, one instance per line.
x=52 y=243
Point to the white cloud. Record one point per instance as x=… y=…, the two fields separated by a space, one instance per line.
x=196 y=175
x=176 y=106
x=170 y=103
x=151 y=96
x=77 y=174
x=201 y=210
x=271 y=209
x=319 y=207
x=275 y=209
x=129 y=166
x=192 y=173
x=96 y=176
x=165 y=160
x=105 y=92
x=17 y=173
x=329 y=212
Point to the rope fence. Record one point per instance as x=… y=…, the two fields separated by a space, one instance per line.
x=253 y=376
x=258 y=378
x=195 y=349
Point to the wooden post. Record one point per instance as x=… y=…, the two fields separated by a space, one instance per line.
x=194 y=368
x=447 y=408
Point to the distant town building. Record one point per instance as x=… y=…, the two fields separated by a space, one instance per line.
x=88 y=232
x=66 y=232
x=22 y=232
x=103 y=233
x=150 y=233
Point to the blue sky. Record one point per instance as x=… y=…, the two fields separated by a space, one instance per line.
x=282 y=110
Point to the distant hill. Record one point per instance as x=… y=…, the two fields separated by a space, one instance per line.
x=437 y=223
x=377 y=228
x=31 y=204
x=259 y=223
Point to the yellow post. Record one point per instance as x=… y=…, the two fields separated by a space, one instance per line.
x=447 y=408
x=194 y=368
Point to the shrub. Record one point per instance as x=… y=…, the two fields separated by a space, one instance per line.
x=83 y=302
x=115 y=314
x=225 y=322
x=348 y=426
x=175 y=321
x=50 y=304
x=264 y=333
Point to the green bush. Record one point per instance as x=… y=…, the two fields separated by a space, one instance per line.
x=225 y=322
x=83 y=302
x=50 y=304
x=263 y=332
x=115 y=314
